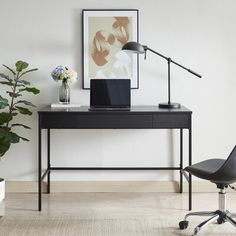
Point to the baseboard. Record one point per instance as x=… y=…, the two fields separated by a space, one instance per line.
x=108 y=186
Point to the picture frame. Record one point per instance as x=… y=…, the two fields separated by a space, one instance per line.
x=104 y=32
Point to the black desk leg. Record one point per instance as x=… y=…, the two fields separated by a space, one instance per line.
x=39 y=167
x=190 y=163
x=181 y=162
x=48 y=164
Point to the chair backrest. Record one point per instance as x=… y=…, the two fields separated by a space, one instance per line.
x=227 y=172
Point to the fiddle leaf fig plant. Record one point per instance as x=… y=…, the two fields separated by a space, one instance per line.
x=13 y=104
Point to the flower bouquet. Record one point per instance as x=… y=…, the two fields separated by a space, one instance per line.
x=62 y=73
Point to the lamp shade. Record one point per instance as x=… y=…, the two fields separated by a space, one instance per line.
x=133 y=47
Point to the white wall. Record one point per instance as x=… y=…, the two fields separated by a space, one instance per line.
x=200 y=34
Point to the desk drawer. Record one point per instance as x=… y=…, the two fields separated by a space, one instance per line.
x=94 y=121
x=171 y=120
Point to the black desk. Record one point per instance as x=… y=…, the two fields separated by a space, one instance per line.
x=139 y=117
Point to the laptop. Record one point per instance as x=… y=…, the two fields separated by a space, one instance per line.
x=109 y=94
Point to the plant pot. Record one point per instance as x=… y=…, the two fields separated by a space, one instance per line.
x=2 y=189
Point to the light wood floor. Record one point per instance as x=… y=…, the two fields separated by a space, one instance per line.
x=107 y=214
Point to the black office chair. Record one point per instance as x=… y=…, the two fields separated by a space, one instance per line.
x=222 y=173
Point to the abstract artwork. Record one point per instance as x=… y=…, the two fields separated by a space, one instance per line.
x=104 y=34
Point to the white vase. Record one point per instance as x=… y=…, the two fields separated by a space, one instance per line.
x=2 y=189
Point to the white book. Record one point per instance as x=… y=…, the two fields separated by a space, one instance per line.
x=59 y=105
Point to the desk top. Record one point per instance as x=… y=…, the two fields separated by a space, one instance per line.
x=133 y=109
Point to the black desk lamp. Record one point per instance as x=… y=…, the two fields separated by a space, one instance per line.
x=135 y=47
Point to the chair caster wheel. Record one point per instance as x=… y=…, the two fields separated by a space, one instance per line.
x=183 y=224
x=220 y=221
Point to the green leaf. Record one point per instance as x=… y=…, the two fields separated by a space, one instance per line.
x=21 y=65
x=6 y=139
x=25 y=82
x=20 y=85
x=24 y=139
x=30 y=89
x=4 y=146
x=26 y=103
x=24 y=110
x=12 y=71
x=7 y=83
x=25 y=126
x=9 y=136
x=12 y=137
x=10 y=83
x=3 y=76
x=5 y=117
x=14 y=95
x=3 y=102
x=2 y=132
x=28 y=71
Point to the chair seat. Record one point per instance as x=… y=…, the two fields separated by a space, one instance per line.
x=205 y=169
x=222 y=173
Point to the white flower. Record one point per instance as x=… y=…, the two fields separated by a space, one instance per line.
x=63 y=73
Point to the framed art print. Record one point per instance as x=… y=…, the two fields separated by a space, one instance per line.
x=104 y=34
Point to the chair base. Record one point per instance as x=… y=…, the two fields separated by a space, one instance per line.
x=220 y=216
x=216 y=216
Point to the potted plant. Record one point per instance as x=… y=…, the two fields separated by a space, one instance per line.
x=13 y=105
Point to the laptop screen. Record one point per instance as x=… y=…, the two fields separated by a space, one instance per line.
x=110 y=93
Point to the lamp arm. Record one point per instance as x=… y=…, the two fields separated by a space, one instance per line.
x=189 y=70
x=159 y=54
x=170 y=60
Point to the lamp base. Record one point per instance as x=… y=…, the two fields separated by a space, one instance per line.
x=169 y=105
